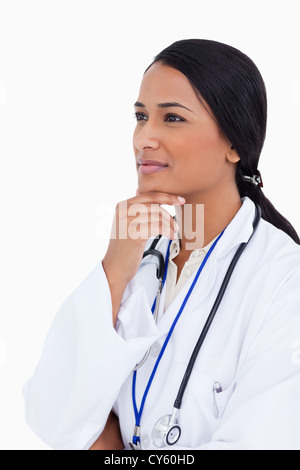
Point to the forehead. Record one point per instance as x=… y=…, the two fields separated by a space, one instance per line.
x=163 y=83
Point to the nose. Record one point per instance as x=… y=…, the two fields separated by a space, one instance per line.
x=146 y=136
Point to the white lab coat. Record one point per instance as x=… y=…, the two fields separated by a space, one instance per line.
x=85 y=368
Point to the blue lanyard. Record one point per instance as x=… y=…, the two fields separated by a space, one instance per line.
x=138 y=413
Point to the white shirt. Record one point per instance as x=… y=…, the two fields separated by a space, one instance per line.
x=252 y=349
x=173 y=287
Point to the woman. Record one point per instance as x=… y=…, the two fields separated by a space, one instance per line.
x=201 y=122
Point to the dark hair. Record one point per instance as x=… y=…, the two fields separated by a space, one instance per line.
x=232 y=86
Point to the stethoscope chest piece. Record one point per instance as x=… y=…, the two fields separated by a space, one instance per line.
x=166 y=431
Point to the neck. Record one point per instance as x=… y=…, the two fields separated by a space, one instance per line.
x=203 y=218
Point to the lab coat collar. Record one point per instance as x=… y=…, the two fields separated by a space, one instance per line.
x=175 y=249
x=238 y=231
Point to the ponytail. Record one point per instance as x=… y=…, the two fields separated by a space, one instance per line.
x=268 y=211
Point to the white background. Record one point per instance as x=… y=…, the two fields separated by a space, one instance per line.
x=69 y=74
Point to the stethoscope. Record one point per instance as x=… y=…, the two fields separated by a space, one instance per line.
x=167 y=430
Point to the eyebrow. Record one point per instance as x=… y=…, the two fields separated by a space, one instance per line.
x=172 y=104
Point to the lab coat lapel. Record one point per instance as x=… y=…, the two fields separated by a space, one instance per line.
x=238 y=231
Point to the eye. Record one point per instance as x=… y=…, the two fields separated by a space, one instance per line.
x=173 y=118
x=140 y=116
x=168 y=118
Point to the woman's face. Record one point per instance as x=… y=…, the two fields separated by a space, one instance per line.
x=175 y=129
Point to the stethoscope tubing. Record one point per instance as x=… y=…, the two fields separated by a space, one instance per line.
x=239 y=252
x=138 y=413
x=161 y=274
x=161 y=269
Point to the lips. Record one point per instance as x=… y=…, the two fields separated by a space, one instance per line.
x=151 y=162
x=148 y=167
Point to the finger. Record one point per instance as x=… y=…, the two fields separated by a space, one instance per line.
x=158 y=214
x=138 y=229
x=163 y=228
x=148 y=211
x=155 y=219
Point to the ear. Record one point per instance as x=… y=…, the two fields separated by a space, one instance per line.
x=232 y=155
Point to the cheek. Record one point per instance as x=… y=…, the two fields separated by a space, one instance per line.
x=133 y=140
x=202 y=148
